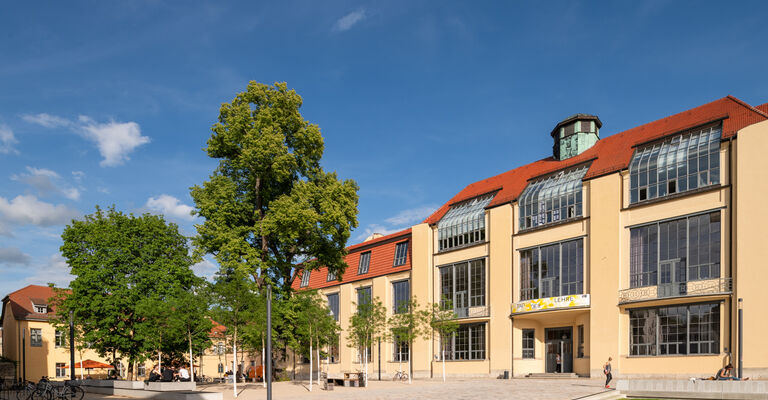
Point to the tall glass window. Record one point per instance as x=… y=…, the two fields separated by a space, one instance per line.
x=400 y=350
x=363 y=295
x=680 y=163
x=552 y=270
x=35 y=337
x=467 y=343
x=60 y=338
x=365 y=262
x=401 y=254
x=400 y=296
x=551 y=199
x=463 y=284
x=676 y=251
x=463 y=224
x=675 y=330
x=333 y=305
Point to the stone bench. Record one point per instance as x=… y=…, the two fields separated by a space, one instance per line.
x=694 y=389
x=170 y=386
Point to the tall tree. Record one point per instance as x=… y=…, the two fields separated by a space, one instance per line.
x=269 y=204
x=119 y=260
x=366 y=326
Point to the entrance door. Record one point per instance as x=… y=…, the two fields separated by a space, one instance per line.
x=559 y=346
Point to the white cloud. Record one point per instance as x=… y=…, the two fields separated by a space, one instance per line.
x=55 y=270
x=103 y=190
x=78 y=176
x=7 y=140
x=411 y=216
x=47 y=182
x=5 y=230
x=205 y=269
x=115 y=140
x=28 y=210
x=375 y=228
x=13 y=256
x=348 y=21
x=169 y=205
x=46 y=120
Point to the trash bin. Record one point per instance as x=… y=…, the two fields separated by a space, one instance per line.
x=506 y=374
x=328 y=385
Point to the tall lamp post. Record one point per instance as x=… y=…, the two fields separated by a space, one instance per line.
x=741 y=335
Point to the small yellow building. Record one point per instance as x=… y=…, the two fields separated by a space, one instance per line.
x=636 y=246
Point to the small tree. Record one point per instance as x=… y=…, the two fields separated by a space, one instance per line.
x=443 y=320
x=366 y=326
x=189 y=320
x=232 y=298
x=407 y=324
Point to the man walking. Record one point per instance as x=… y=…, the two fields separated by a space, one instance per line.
x=607 y=372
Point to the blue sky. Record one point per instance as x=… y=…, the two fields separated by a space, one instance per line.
x=107 y=103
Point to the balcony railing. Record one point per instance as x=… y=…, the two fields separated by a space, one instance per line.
x=678 y=289
x=472 y=312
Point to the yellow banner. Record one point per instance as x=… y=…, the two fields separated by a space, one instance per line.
x=548 y=303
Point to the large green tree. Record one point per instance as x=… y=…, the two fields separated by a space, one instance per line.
x=118 y=262
x=269 y=204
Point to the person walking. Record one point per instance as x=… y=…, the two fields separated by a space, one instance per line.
x=607 y=372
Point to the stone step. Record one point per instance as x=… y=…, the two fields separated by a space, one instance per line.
x=607 y=394
x=548 y=375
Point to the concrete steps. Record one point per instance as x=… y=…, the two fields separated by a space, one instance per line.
x=607 y=394
x=552 y=376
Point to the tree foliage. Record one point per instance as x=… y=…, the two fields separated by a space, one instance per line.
x=269 y=204
x=366 y=327
x=121 y=263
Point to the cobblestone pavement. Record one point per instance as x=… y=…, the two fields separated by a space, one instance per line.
x=484 y=389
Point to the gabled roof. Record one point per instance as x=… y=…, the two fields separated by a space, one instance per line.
x=612 y=153
x=21 y=302
x=381 y=262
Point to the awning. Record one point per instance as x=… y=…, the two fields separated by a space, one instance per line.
x=89 y=364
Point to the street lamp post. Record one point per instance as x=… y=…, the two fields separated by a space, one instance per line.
x=741 y=335
x=269 y=342
x=72 y=347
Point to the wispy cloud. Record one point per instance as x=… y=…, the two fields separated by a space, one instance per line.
x=28 y=210
x=411 y=215
x=47 y=182
x=205 y=269
x=13 y=256
x=115 y=140
x=170 y=206
x=346 y=22
x=7 y=140
x=398 y=222
x=46 y=120
x=54 y=270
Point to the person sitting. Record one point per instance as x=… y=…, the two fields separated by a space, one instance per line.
x=155 y=375
x=183 y=374
x=726 y=374
x=167 y=375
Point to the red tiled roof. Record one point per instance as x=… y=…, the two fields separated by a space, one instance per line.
x=22 y=301
x=382 y=257
x=763 y=108
x=613 y=153
x=218 y=330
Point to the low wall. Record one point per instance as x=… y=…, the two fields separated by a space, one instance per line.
x=694 y=389
x=138 y=389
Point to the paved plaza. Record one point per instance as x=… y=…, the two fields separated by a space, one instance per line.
x=485 y=389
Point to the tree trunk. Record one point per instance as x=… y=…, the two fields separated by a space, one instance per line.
x=263 y=370
x=81 y=364
x=317 y=342
x=410 y=364
x=160 y=360
x=130 y=370
x=310 y=360
x=191 y=365
x=443 y=365
x=234 y=364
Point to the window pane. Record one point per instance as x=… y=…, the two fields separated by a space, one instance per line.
x=552 y=198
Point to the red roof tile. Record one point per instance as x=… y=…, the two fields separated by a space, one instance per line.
x=22 y=301
x=763 y=108
x=613 y=153
x=382 y=259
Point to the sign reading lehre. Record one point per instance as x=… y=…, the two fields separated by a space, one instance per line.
x=548 y=303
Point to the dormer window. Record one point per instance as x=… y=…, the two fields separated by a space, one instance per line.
x=463 y=224
x=41 y=309
x=553 y=198
x=304 y=279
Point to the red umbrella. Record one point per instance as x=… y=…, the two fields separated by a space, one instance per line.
x=89 y=364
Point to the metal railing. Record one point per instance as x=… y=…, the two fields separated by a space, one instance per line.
x=677 y=289
x=472 y=312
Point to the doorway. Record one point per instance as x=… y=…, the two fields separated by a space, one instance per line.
x=559 y=342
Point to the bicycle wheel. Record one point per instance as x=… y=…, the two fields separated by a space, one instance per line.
x=77 y=393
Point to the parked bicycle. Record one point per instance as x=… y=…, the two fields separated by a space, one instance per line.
x=401 y=376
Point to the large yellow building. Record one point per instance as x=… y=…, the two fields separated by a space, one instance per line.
x=636 y=246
